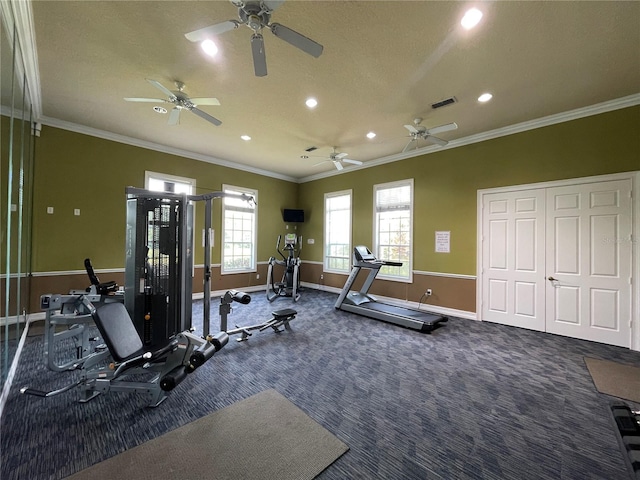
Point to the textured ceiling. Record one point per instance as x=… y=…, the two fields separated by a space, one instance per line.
x=384 y=63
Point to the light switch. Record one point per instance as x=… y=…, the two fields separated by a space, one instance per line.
x=76 y=211
x=49 y=210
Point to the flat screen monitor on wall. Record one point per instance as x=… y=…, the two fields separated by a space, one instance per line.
x=292 y=215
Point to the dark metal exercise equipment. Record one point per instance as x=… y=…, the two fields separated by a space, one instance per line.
x=279 y=317
x=367 y=305
x=289 y=286
x=152 y=337
x=124 y=360
x=158 y=270
x=149 y=345
x=66 y=320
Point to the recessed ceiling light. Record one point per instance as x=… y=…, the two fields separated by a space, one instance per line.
x=371 y=135
x=159 y=109
x=471 y=18
x=246 y=138
x=209 y=47
x=485 y=97
x=311 y=102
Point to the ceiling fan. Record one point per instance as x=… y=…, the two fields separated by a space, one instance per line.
x=337 y=159
x=181 y=102
x=257 y=15
x=418 y=131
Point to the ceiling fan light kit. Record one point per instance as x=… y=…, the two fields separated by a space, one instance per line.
x=418 y=132
x=181 y=101
x=257 y=15
x=337 y=158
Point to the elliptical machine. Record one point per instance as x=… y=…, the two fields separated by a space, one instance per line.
x=289 y=286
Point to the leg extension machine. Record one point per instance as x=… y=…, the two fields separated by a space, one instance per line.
x=279 y=317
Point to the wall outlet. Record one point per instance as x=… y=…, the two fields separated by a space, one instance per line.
x=257 y=276
x=321 y=277
x=429 y=292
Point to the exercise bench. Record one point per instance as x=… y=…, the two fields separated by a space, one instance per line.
x=127 y=366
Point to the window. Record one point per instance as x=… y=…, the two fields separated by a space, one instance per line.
x=161 y=182
x=238 y=231
x=393 y=227
x=337 y=231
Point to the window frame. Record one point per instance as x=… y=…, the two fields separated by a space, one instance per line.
x=254 y=234
x=376 y=229
x=325 y=256
x=167 y=178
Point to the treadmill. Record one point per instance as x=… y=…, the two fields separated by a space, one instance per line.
x=367 y=305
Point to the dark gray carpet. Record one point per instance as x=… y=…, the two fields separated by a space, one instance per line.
x=471 y=401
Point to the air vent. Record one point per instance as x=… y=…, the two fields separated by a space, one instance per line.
x=310 y=149
x=444 y=103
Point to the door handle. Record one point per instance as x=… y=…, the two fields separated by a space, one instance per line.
x=551 y=279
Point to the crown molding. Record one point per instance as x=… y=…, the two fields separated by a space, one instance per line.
x=115 y=137
x=619 y=103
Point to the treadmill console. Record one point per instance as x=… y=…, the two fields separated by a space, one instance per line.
x=363 y=254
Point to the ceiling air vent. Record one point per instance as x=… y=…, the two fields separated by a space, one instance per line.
x=444 y=103
x=310 y=149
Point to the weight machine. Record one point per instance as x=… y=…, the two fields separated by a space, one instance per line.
x=149 y=345
x=66 y=311
x=279 y=317
x=289 y=286
x=120 y=364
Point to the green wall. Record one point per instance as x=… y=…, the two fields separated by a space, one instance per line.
x=446 y=182
x=74 y=170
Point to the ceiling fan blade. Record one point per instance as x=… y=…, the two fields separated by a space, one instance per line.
x=439 y=141
x=355 y=162
x=174 y=116
x=162 y=88
x=259 y=57
x=204 y=101
x=443 y=128
x=151 y=100
x=411 y=128
x=340 y=156
x=271 y=5
x=206 y=116
x=408 y=146
x=211 y=31
x=338 y=165
x=296 y=39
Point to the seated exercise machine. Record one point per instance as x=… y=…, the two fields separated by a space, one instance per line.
x=146 y=344
x=367 y=305
x=289 y=286
x=96 y=287
x=66 y=311
x=279 y=317
x=120 y=364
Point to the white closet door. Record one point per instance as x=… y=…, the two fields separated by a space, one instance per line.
x=513 y=258
x=588 y=241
